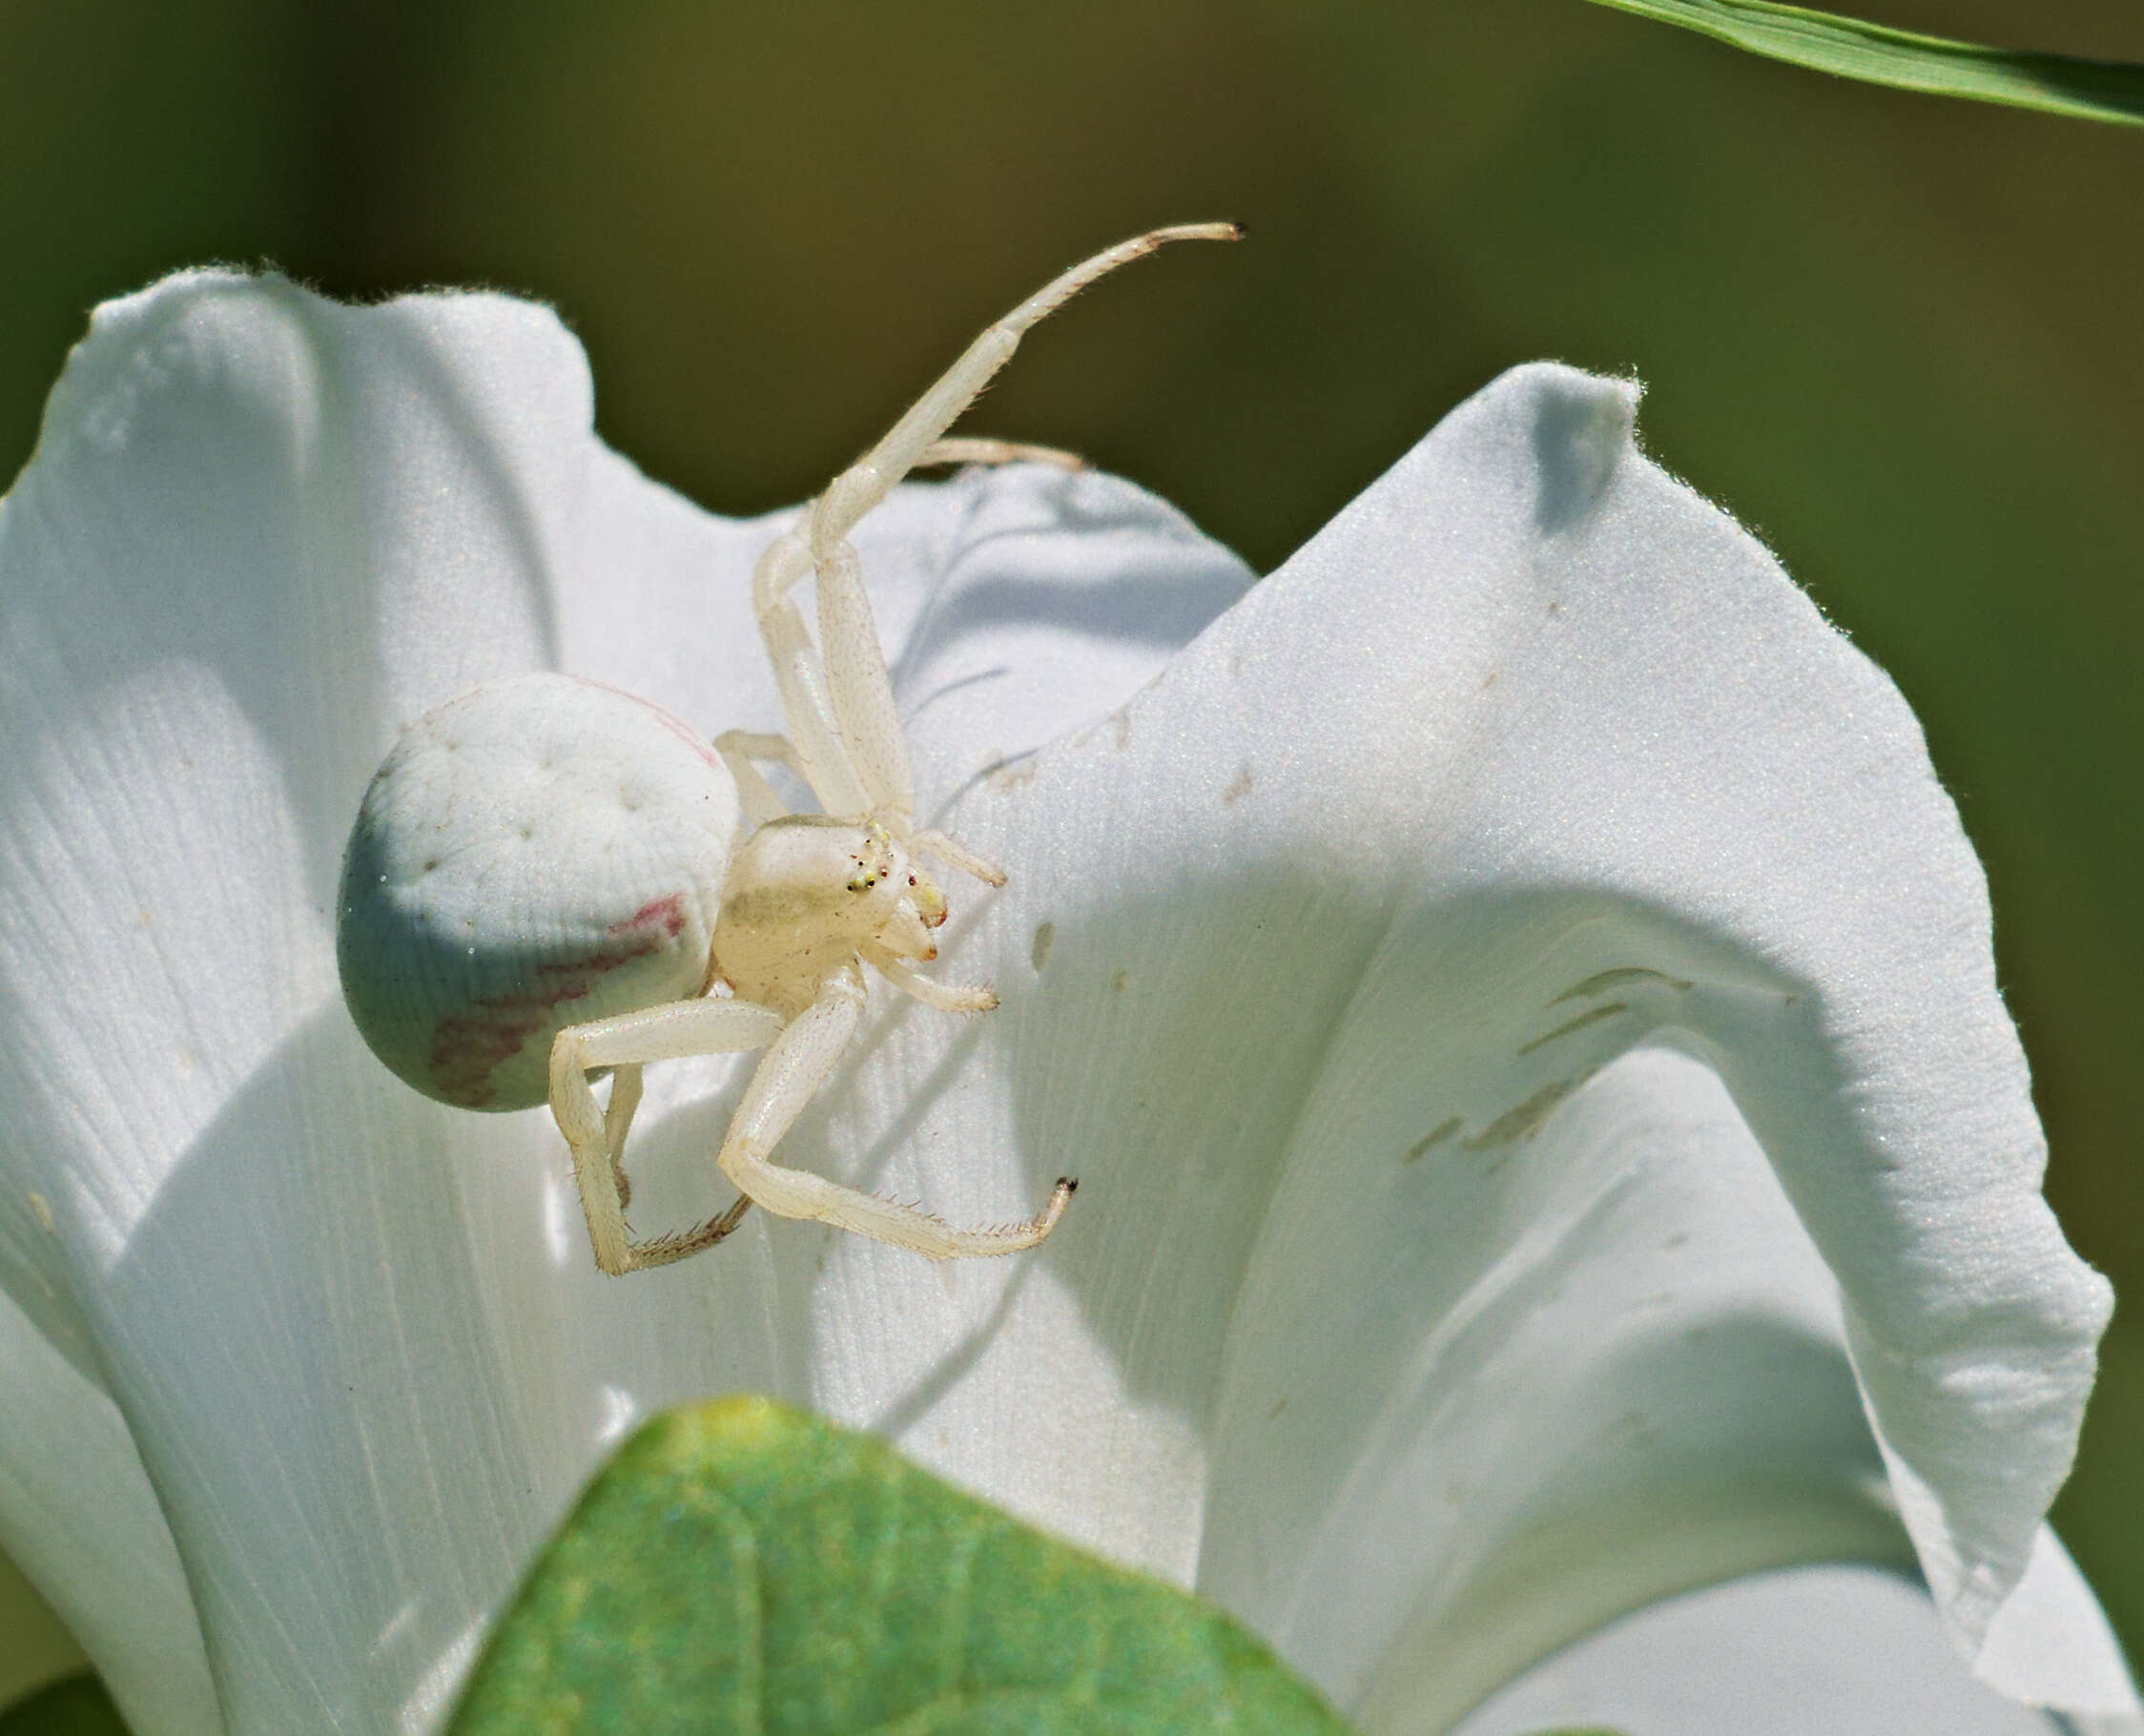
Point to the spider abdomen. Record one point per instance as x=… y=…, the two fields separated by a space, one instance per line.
x=541 y=852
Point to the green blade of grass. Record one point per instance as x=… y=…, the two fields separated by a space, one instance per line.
x=2056 y=84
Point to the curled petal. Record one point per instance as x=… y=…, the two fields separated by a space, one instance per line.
x=1522 y=1011
x=1850 y=1651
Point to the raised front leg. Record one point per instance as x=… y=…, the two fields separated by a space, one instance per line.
x=838 y=698
x=801 y=676
x=872 y=478
x=799 y=1062
x=739 y=748
x=705 y=1026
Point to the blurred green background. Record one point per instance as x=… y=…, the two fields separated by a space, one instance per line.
x=1901 y=339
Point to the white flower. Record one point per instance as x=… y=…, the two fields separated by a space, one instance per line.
x=1517 y=998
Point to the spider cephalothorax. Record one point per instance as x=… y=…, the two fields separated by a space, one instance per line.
x=808 y=893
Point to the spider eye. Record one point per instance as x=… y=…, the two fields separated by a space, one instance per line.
x=912 y=880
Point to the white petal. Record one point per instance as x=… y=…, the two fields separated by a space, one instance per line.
x=234 y=482
x=358 y=1339
x=1527 y=844
x=1016 y=603
x=1333 y=884
x=77 y=1514
x=2050 y=1645
x=1845 y=1651
x=1631 y=1383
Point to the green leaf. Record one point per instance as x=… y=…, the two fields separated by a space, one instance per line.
x=2089 y=90
x=742 y=1567
x=74 y=1706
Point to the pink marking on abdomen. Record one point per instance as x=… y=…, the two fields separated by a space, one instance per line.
x=666 y=912
x=467 y=1048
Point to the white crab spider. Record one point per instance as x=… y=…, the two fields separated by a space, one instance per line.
x=545 y=880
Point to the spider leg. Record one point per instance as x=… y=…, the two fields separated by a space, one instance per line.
x=946 y=996
x=801 y=677
x=871 y=479
x=858 y=685
x=797 y=1063
x=738 y=749
x=980 y=449
x=617 y=1123
x=597 y=1138
x=858 y=693
x=959 y=856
